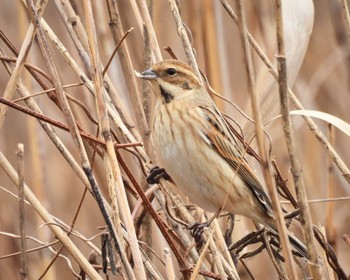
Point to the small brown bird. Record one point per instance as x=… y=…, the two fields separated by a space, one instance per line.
x=198 y=149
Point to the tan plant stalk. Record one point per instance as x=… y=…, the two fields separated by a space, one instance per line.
x=61 y=95
x=79 y=37
x=330 y=227
x=116 y=188
x=306 y=221
x=223 y=248
x=150 y=30
x=22 y=221
x=201 y=258
x=128 y=69
x=185 y=40
x=170 y=272
x=265 y=162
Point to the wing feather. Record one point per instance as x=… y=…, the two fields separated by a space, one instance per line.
x=224 y=143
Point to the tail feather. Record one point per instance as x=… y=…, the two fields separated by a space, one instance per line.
x=298 y=245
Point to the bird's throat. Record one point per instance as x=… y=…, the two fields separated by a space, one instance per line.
x=166 y=95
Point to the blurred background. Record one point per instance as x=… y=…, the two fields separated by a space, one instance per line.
x=317 y=47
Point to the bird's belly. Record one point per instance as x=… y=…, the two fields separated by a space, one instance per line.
x=199 y=172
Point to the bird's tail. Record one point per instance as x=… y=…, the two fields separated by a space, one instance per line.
x=298 y=246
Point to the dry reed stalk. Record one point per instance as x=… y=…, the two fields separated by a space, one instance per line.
x=118 y=119
x=181 y=30
x=128 y=69
x=306 y=221
x=170 y=272
x=265 y=162
x=119 y=202
x=36 y=147
x=150 y=31
x=146 y=97
x=22 y=221
x=330 y=273
x=216 y=255
x=201 y=259
x=223 y=248
x=330 y=227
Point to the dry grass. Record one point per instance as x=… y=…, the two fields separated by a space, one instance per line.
x=80 y=183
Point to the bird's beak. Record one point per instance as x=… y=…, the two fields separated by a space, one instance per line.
x=147 y=75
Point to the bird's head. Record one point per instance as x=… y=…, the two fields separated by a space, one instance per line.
x=171 y=79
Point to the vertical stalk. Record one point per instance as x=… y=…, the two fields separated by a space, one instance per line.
x=291 y=146
x=22 y=221
x=281 y=227
x=116 y=187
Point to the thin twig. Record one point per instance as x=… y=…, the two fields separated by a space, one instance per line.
x=115 y=51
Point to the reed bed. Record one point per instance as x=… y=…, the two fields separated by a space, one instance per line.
x=76 y=145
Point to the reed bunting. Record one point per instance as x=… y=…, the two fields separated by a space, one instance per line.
x=198 y=149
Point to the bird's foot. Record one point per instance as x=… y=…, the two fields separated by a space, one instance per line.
x=197 y=230
x=156 y=174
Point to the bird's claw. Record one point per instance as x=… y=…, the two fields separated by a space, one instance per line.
x=197 y=231
x=156 y=174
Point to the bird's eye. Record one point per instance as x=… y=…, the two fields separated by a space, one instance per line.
x=171 y=71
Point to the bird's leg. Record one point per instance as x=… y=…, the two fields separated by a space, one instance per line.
x=197 y=228
x=156 y=174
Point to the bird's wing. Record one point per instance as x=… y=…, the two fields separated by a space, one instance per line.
x=224 y=143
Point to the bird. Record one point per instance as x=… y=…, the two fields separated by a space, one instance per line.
x=199 y=151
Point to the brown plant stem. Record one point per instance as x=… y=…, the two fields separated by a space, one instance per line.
x=63 y=126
